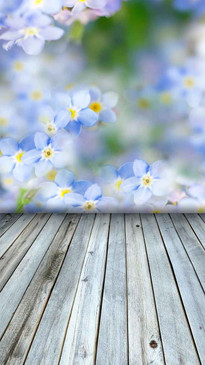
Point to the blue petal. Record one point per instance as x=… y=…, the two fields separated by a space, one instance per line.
x=74 y=128
x=6 y=164
x=64 y=178
x=48 y=190
x=62 y=119
x=88 y=117
x=140 y=168
x=41 y=140
x=81 y=99
x=22 y=172
x=80 y=187
x=75 y=200
x=32 y=45
x=109 y=173
x=130 y=184
x=107 y=116
x=27 y=143
x=142 y=195
x=8 y=146
x=31 y=157
x=94 y=192
x=126 y=170
x=42 y=167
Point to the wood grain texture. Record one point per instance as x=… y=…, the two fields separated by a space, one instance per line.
x=119 y=290
x=19 y=335
x=197 y=225
x=80 y=342
x=113 y=338
x=176 y=337
x=46 y=346
x=142 y=318
x=13 y=232
x=16 y=252
x=6 y=222
x=190 y=289
x=192 y=245
x=13 y=291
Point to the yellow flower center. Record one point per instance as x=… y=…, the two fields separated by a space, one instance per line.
x=8 y=181
x=118 y=184
x=189 y=82
x=166 y=98
x=18 y=156
x=37 y=2
x=30 y=31
x=51 y=175
x=36 y=95
x=3 y=121
x=1 y=153
x=51 y=128
x=48 y=152
x=96 y=107
x=89 y=205
x=143 y=103
x=74 y=113
x=147 y=180
x=18 y=66
x=201 y=210
x=64 y=191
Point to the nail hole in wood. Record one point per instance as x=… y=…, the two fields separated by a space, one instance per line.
x=153 y=344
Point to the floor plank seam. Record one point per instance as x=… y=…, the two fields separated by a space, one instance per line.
x=16 y=236
x=25 y=252
x=194 y=230
x=153 y=292
x=179 y=293
x=36 y=329
x=28 y=283
x=68 y=319
x=1 y=234
x=101 y=299
x=189 y=258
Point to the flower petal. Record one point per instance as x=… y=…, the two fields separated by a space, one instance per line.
x=94 y=192
x=64 y=178
x=8 y=146
x=140 y=168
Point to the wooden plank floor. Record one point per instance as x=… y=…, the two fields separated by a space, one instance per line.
x=102 y=289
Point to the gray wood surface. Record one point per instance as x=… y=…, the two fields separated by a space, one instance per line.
x=117 y=290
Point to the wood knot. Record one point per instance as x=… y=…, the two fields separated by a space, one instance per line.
x=153 y=344
x=137 y=225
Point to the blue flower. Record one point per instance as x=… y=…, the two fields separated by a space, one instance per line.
x=11 y=159
x=56 y=192
x=146 y=182
x=47 y=154
x=78 y=111
x=103 y=105
x=91 y=201
x=79 y=5
x=46 y=6
x=114 y=176
x=30 y=32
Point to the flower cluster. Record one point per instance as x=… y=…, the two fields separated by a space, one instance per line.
x=29 y=23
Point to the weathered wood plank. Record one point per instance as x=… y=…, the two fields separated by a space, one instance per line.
x=198 y=226
x=14 y=231
x=192 y=245
x=13 y=291
x=80 y=342
x=202 y=215
x=190 y=289
x=21 y=330
x=144 y=338
x=176 y=337
x=6 y=222
x=15 y=253
x=47 y=344
x=112 y=342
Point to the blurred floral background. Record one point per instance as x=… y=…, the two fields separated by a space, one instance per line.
x=102 y=106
